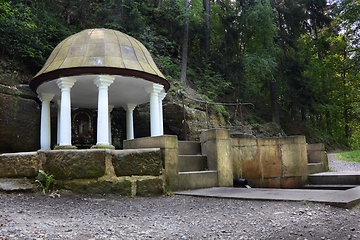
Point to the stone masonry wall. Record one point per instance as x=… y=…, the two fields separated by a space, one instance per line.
x=125 y=172
x=270 y=162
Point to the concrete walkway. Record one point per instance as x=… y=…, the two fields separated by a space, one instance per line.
x=340 y=198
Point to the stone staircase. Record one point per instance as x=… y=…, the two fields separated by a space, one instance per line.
x=333 y=180
x=194 y=172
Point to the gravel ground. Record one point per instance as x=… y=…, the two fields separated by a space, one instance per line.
x=342 y=166
x=71 y=216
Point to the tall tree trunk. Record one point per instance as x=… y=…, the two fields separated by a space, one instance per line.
x=185 y=46
x=206 y=4
x=274 y=103
x=328 y=122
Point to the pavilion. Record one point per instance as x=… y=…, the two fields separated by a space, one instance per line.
x=98 y=69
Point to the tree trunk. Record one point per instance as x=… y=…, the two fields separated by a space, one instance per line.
x=206 y=4
x=274 y=103
x=328 y=122
x=185 y=46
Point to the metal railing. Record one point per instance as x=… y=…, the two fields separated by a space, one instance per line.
x=238 y=107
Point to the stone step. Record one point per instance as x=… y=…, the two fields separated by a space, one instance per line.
x=315 y=168
x=16 y=184
x=189 y=148
x=188 y=163
x=198 y=179
x=329 y=187
x=335 y=178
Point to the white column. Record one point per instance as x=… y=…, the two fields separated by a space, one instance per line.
x=154 y=91
x=110 y=109
x=45 y=130
x=129 y=120
x=65 y=85
x=161 y=122
x=103 y=82
x=58 y=123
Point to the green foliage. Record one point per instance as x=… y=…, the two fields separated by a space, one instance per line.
x=353 y=156
x=211 y=83
x=45 y=185
x=167 y=191
x=294 y=48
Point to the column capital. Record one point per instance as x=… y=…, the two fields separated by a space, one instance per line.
x=162 y=95
x=104 y=80
x=154 y=88
x=129 y=106
x=45 y=97
x=65 y=82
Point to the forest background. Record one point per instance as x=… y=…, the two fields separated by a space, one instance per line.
x=297 y=61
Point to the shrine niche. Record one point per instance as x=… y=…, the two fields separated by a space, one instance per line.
x=83 y=128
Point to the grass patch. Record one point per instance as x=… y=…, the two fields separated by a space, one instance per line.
x=352 y=156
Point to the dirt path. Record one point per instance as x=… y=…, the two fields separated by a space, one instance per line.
x=342 y=166
x=33 y=216
x=71 y=216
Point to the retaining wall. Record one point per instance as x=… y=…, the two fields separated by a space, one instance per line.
x=126 y=172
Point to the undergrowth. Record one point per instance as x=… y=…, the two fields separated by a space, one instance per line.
x=352 y=156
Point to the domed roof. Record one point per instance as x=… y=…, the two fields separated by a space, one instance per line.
x=99 y=52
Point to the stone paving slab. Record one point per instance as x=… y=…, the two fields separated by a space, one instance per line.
x=340 y=198
x=15 y=184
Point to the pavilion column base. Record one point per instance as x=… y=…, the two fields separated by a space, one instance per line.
x=64 y=147
x=103 y=146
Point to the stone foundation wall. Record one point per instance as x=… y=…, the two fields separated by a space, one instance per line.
x=126 y=172
x=270 y=162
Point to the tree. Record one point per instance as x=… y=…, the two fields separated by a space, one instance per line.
x=185 y=44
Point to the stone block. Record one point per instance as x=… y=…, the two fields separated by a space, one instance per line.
x=270 y=161
x=315 y=147
x=18 y=165
x=292 y=182
x=152 y=142
x=251 y=167
x=16 y=184
x=74 y=164
x=218 y=134
x=19 y=124
x=96 y=187
x=271 y=182
x=137 y=162
x=147 y=187
x=294 y=158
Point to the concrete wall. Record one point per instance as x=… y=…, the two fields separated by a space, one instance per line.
x=317 y=157
x=270 y=162
x=125 y=172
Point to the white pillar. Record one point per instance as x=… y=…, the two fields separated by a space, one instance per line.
x=103 y=82
x=161 y=122
x=58 y=123
x=129 y=120
x=45 y=130
x=110 y=109
x=65 y=85
x=154 y=91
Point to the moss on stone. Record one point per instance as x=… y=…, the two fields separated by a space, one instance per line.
x=65 y=147
x=102 y=146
